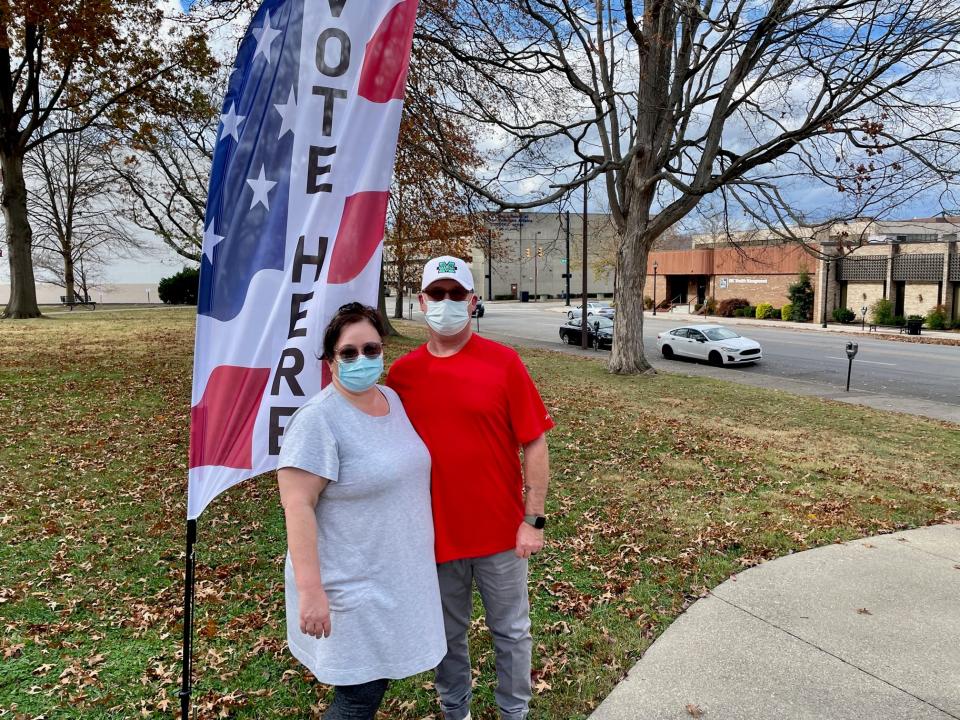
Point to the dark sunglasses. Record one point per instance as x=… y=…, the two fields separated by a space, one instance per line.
x=349 y=354
x=457 y=294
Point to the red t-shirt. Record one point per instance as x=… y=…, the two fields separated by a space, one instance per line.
x=473 y=411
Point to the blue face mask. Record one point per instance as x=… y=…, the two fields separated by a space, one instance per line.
x=362 y=374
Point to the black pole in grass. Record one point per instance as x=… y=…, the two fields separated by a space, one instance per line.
x=583 y=278
x=186 y=684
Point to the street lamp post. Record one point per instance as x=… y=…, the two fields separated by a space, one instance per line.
x=826 y=284
x=654 y=287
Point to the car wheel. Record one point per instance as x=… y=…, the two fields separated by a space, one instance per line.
x=716 y=359
x=596 y=344
x=569 y=314
x=667 y=352
x=565 y=338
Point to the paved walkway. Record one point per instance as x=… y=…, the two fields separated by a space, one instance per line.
x=866 y=630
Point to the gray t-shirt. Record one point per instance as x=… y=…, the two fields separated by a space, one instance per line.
x=375 y=541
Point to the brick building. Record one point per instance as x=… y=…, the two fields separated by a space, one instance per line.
x=914 y=263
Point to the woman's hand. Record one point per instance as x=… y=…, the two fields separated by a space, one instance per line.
x=314 y=613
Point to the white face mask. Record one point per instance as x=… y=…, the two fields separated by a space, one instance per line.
x=448 y=317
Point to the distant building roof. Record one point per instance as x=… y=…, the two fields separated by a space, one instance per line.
x=673 y=241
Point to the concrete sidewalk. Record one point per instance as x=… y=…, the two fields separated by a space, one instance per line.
x=869 y=629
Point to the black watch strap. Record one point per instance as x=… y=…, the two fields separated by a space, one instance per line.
x=537 y=521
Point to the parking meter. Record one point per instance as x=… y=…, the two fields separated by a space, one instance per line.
x=852 y=349
x=863 y=317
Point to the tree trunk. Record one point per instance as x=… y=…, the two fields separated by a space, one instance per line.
x=627 y=357
x=388 y=327
x=69 y=278
x=19 y=236
x=398 y=308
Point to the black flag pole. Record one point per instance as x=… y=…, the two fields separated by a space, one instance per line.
x=186 y=684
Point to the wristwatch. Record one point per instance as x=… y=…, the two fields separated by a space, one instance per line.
x=537 y=521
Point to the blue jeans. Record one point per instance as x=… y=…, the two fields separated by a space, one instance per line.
x=356 y=702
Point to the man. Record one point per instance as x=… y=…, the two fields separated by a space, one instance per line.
x=474 y=405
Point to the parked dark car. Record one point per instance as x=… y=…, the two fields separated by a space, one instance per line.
x=599 y=332
x=479 y=309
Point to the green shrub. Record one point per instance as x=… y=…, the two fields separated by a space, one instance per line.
x=786 y=312
x=749 y=311
x=774 y=314
x=881 y=313
x=937 y=318
x=844 y=315
x=647 y=302
x=764 y=311
x=710 y=307
x=180 y=289
x=801 y=297
x=726 y=307
x=899 y=321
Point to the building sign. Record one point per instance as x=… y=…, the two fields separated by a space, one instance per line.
x=724 y=282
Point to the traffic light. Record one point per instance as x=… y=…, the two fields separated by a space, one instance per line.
x=540 y=252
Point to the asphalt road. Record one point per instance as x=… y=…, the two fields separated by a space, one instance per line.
x=792 y=358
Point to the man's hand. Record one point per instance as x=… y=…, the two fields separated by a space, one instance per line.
x=529 y=540
x=314 y=613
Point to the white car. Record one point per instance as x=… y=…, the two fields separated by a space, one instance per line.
x=593 y=308
x=716 y=344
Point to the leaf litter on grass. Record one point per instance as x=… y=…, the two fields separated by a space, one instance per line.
x=662 y=487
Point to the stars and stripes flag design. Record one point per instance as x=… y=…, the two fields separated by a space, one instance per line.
x=295 y=219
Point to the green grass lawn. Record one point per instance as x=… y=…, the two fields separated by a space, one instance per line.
x=662 y=488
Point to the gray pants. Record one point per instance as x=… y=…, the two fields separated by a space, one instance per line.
x=502 y=582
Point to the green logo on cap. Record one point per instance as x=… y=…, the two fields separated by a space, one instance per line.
x=447 y=266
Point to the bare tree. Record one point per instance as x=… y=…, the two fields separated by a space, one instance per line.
x=74 y=223
x=103 y=61
x=668 y=102
x=161 y=171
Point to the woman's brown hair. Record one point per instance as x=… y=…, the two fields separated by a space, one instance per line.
x=348 y=315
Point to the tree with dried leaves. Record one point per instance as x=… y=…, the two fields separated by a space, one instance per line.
x=667 y=102
x=69 y=191
x=98 y=60
x=429 y=213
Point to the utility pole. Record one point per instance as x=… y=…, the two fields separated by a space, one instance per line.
x=583 y=300
x=566 y=273
x=536 y=255
x=489 y=265
x=520 y=284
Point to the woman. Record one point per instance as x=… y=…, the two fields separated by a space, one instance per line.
x=363 y=602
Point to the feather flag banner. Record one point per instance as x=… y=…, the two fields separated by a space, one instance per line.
x=295 y=219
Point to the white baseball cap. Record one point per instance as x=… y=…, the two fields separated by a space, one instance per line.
x=447 y=267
